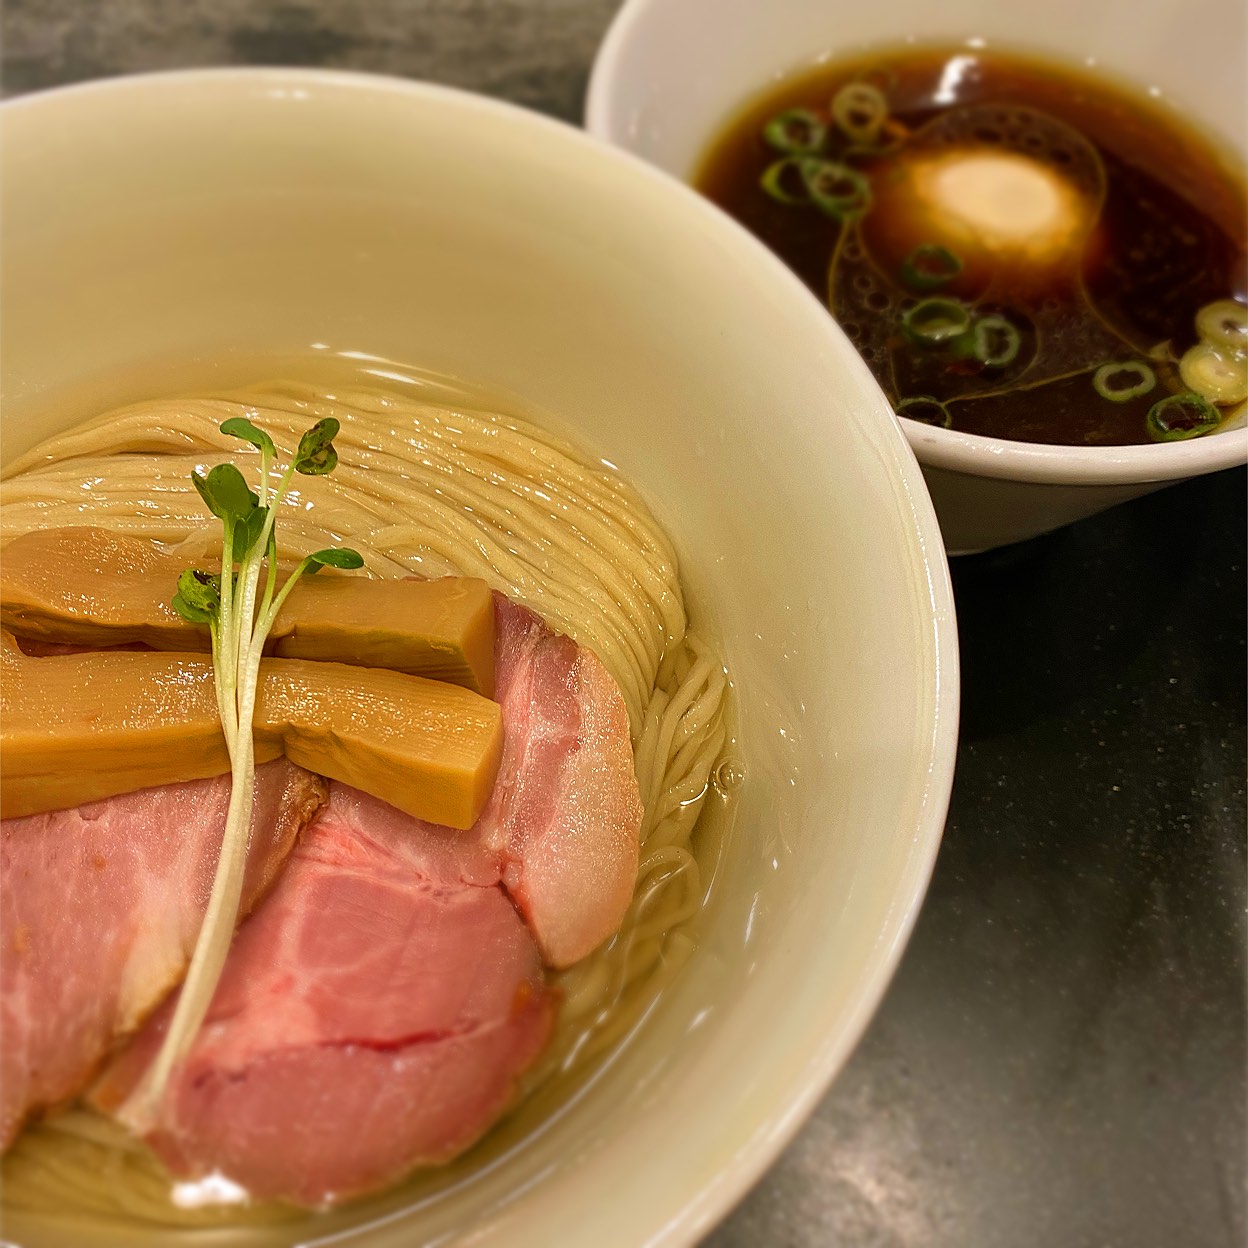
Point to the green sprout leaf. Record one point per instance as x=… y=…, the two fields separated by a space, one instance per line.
x=201 y=484
x=336 y=557
x=200 y=590
x=317 y=438
x=196 y=615
x=225 y=492
x=248 y=530
x=316 y=455
x=319 y=463
x=241 y=427
x=199 y=596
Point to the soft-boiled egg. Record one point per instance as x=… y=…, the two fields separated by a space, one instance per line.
x=996 y=211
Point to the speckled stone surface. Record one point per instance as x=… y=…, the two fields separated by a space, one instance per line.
x=1060 y=1062
x=534 y=52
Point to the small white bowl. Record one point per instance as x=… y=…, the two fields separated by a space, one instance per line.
x=187 y=230
x=671 y=73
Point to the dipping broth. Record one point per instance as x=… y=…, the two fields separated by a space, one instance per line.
x=1017 y=249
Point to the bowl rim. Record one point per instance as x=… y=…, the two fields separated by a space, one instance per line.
x=1059 y=464
x=949 y=449
x=822 y=1055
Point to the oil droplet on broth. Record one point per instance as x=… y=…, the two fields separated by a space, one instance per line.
x=728 y=776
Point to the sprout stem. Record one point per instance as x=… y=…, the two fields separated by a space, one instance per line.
x=238 y=631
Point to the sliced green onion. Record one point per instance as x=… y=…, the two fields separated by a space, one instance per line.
x=1181 y=416
x=1123 y=381
x=1219 y=376
x=932 y=322
x=930 y=265
x=860 y=109
x=775 y=177
x=840 y=191
x=798 y=131
x=1224 y=325
x=926 y=410
x=995 y=342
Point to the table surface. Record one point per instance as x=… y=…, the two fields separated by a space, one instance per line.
x=1060 y=1060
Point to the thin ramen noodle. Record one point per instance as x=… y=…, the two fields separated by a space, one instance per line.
x=422 y=489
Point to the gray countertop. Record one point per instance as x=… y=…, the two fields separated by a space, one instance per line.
x=1061 y=1058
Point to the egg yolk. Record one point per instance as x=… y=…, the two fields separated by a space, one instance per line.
x=1010 y=204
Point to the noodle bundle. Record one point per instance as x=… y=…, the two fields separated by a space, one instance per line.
x=421 y=489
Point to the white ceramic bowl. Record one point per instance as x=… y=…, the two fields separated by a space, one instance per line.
x=205 y=223
x=652 y=94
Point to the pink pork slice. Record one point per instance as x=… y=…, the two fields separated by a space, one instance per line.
x=376 y=1012
x=374 y=1015
x=565 y=814
x=100 y=907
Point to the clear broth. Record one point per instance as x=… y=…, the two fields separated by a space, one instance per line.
x=553 y=1088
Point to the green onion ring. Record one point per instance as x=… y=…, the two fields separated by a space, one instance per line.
x=930 y=265
x=1181 y=416
x=860 y=109
x=996 y=342
x=797 y=131
x=1224 y=325
x=773 y=178
x=842 y=192
x=926 y=410
x=934 y=322
x=1217 y=375
x=1116 y=392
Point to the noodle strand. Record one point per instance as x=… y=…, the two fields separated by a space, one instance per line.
x=421 y=489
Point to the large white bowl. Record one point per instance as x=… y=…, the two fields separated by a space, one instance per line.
x=648 y=93
x=213 y=221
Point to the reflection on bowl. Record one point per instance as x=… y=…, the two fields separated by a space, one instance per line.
x=187 y=231
x=988 y=490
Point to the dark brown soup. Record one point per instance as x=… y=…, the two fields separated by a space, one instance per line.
x=1017 y=249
